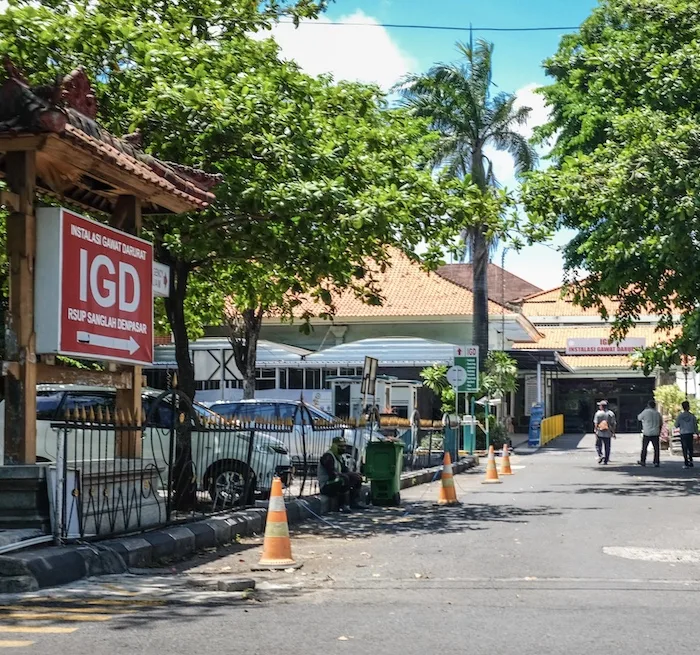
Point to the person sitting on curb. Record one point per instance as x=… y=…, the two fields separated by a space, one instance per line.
x=335 y=480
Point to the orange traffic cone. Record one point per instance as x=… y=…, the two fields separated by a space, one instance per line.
x=505 y=461
x=491 y=472
x=277 y=548
x=447 y=494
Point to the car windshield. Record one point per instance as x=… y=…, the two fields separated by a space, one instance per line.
x=205 y=412
x=320 y=414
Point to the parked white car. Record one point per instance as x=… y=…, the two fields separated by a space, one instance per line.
x=219 y=457
x=312 y=430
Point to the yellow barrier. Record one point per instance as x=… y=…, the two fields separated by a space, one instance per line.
x=551 y=428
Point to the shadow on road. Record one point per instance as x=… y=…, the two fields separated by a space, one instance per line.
x=421 y=518
x=669 y=480
x=565 y=442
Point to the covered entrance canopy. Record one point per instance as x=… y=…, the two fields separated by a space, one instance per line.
x=52 y=146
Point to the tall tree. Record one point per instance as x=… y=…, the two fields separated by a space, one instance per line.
x=457 y=99
x=625 y=107
x=162 y=68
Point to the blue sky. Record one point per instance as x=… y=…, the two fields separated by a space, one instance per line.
x=382 y=55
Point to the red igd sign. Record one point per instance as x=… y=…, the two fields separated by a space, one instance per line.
x=94 y=290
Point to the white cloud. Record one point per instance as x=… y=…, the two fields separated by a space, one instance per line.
x=539 y=114
x=357 y=53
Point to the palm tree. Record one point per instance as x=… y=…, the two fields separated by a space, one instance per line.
x=458 y=101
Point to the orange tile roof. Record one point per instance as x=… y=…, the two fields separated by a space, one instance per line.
x=407 y=290
x=555 y=336
x=551 y=303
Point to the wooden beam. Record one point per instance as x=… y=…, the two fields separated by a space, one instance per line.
x=20 y=400
x=9 y=200
x=22 y=143
x=46 y=374
x=127 y=217
x=113 y=175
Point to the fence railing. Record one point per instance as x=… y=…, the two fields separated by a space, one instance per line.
x=116 y=473
x=551 y=428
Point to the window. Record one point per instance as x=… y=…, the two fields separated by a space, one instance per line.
x=47 y=403
x=89 y=401
x=234 y=384
x=265 y=378
x=207 y=385
x=283 y=378
x=328 y=374
x=290 y=412
x=313 y=378
x=162 y=416
x=247 y=412
x=296 y=378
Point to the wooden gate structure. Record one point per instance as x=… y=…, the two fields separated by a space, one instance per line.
x=52 y=147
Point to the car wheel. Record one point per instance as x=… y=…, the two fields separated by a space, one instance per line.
x=227 y=485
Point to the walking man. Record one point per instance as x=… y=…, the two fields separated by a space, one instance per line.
x=687 y=423
x=651 y=431
x=604 y=424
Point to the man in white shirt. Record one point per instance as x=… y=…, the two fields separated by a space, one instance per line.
x=651 y=431
x=604 y=424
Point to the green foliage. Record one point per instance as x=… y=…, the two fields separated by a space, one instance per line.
x=317 y=176
x=501 y=374
x=498 y=435
x=434 y=377
x=669 y=398
x=625 y=106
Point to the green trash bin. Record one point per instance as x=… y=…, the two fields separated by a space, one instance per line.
x=383 y=464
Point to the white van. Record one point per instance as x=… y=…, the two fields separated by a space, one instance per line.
x=219 y=456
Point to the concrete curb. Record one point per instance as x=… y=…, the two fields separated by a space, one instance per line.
x=51 y=566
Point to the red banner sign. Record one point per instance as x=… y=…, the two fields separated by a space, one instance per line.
x=105 y=289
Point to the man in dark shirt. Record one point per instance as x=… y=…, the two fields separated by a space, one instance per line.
x=334 y=478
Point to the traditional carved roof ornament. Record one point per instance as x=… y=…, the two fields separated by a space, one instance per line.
x=78 y=94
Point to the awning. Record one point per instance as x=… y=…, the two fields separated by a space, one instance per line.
x=391 y=351
x=550 y=360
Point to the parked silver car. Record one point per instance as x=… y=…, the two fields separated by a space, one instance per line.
x=220 y=460
x=308 y=430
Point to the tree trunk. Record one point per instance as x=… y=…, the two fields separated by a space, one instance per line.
x=480 y=261
x=244 y=334
x=175 y=309
x=184 y=489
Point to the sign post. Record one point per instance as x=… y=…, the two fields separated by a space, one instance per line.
x=94 y=290
x=467 y=357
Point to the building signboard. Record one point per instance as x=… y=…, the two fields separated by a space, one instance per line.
x=604 y=346
x=467 y=358
x=94 y=290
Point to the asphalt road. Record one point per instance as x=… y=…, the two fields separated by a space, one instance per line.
x=564 y=557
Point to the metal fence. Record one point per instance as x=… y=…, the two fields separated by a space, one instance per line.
x=116 y=473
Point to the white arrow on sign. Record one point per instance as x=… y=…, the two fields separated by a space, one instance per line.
x=130 y=344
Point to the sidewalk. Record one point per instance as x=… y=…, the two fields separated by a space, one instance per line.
x=33 y=569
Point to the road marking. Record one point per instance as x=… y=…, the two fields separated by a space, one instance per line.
x=6 y=643
x=58 y=608
x=57 y=616
x=667 y=555
x=45 y=629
